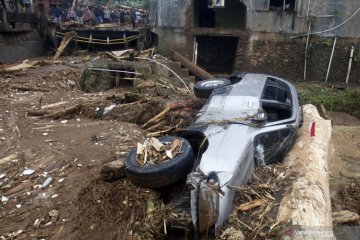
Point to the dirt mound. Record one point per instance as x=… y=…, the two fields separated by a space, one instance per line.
x=348 y=198
x=115 y=210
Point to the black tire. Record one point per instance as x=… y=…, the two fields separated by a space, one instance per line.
x=203 y=89
x=160 y=175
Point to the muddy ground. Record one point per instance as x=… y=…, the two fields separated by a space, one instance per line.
x=71 y=150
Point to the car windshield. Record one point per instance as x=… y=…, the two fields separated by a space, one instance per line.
x=229 y=108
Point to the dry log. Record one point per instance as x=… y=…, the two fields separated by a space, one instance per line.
x=24 y=65
x=25 y=88
x=66 y=40
x=52 y=105
x=37 y=113
x=122 y=52
x=64 y=112
x=160 y=115
x=113 y=170
x=345 y=217
x=146 y=85
x=8 y=158
x=159 y=133
x=250 y=205
x=307 y=202
x=196 y=70
x=156 y=144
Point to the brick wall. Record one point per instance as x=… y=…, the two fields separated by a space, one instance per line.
x=284 y=57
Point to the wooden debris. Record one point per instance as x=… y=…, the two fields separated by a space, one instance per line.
x=155 y=143
x=250 y=205
x=159 y=116
x=146 y=85
x=159 y=133
x=196 y=70
x=345 y=217
x=53 y=105
x=8 y=158
x=25 y=88
x=152 y=151
x=58 y=114
x=66 y=40
x=26 y=64
x=113 y=170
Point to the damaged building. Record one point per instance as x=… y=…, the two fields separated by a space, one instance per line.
x=269 y=36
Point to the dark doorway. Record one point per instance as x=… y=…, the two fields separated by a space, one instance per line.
x=216 y=54
x=205 y=15
x=232 y=16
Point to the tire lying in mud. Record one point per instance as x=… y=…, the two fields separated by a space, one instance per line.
x=164 y=174
x=203 y=89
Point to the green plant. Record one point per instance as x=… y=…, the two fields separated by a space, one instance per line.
x=327 y=42
x=346 y=100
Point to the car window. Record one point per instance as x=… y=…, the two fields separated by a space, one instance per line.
x=272 y=146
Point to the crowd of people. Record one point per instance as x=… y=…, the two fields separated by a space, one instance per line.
x=94 y=15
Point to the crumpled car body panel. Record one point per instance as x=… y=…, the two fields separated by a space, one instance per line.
x=236 y=143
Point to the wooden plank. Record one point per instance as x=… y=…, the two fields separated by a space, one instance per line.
x=196 y=70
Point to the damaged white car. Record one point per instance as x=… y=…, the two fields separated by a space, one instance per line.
x=247 y=121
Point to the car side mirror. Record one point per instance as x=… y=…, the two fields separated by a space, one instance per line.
x=260 y=117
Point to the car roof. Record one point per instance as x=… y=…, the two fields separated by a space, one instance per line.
x=253 y=85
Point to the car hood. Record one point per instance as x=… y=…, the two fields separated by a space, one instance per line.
x=227 y=145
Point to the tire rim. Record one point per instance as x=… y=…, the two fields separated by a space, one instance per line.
x=212 y=83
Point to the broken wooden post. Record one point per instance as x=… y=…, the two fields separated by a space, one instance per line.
x=196 y=70
x=66 y=40
x=307 y=202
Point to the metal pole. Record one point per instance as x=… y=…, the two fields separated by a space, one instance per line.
x=350 y=62
x=331 y=58
x=306 y=49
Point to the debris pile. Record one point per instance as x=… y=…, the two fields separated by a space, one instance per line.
x=256 y=204
x=152 y=151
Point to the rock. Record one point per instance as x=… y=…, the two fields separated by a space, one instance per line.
x=344 y=217
x=113 y=170
x=54 y=213
x=232 y=234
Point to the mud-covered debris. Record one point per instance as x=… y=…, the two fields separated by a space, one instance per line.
x=250 y=205
x=46 y=183
x=232 y=234
x=152 y=151
x=345 y=217
x=4 y=199
x=113 y=170
x=28 y=172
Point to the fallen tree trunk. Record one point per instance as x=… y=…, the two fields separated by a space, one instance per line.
x=64 y=112
x=196 y=70
x=26 y=64
x=307 y=202
x=66 y=40
x=25 y=88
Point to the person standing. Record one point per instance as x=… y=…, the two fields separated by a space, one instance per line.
x=87 y=16
x=122 y=16
x=79 y=15
x=57 y=14
x=133 y=18
x=98 y=15
x=106 y=15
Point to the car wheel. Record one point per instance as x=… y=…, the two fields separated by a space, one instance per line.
x=203 y=89
x=164 y=174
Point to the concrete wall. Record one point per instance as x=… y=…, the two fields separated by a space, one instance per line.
x=278 y=55
x=265 y=46
x=324 y=14
x=16 y=47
